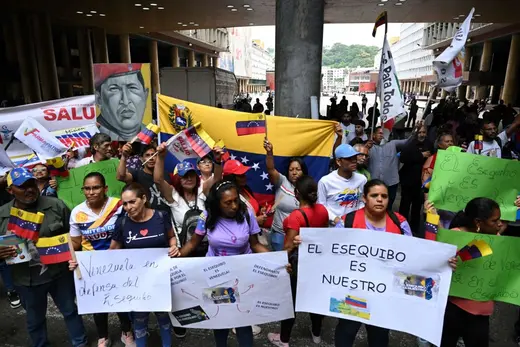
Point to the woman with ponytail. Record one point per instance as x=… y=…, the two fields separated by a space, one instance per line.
x=463 y=318
x=309 y=215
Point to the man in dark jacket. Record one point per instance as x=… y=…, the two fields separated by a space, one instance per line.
x=413 y=156
x=34 y=281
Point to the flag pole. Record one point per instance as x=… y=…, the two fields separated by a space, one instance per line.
x=73 y=256
x=378 y=85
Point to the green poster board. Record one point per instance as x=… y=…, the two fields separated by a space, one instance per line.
x=460 y=177
x=69 y=188
x=495 y=277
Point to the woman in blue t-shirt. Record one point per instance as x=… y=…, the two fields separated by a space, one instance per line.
x=231 y=229
x=143 y=227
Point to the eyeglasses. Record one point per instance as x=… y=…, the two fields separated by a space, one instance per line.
x=39 y=170
x=205 y=162
x=91 y=189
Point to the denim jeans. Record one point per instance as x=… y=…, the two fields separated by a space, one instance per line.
x=244 y=337
x=5 y=273
x=34 y=301
x=346 y=332
x=277 y=240
x=140 y=320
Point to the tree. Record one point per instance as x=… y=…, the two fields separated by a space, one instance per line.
x=342 y=56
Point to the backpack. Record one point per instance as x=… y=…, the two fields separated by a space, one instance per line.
x=189 y=224
x=293 y=256
x=349 y=220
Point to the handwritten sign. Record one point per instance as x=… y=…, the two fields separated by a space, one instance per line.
x=461 y=177
x=69 y=188
x=494 y=277
x=123 y=281
x=381 y=279
x=227 y=292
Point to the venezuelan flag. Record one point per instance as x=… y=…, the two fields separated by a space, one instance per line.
x=431 y=227
x=251 y=124
x=54 y=249
x=475 y=249
x=381 y=19
x=354 y=301
x=25 y=224
x=310 y=139
x=57 y=167
x=147 y=135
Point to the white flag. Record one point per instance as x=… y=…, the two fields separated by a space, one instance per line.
x=448 y=66
x=390 y=96
x=5 y=162
x=39 y=139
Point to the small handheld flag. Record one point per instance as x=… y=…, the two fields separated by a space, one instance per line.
x=431 y=227
x=475 y=249
x=381 y=19
x=147 y=135
x=57 y=167
x=25 y=224
x=479 y=143
x=53 y=250
x=426 y=184
x=250 y=125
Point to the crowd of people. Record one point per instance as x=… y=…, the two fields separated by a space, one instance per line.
x=208 y=209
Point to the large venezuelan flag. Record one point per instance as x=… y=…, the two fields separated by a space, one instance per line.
x=310 y=139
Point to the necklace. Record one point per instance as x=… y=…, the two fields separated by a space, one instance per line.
x=102 y=208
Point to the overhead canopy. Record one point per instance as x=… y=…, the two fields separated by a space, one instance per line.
x=133 y=16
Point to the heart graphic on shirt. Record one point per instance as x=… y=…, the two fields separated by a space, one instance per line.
x=144 y=232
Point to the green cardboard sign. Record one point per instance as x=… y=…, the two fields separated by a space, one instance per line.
x=495 y=277
x=69 y=188
x=460 y=177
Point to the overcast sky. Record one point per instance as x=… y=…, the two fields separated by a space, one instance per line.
x=349 y=34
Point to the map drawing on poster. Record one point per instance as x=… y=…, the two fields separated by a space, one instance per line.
x=374 y=277
x=123 y=99
x=228 y=292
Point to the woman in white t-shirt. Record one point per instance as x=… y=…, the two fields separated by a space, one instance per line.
x=91 y=226
x=187 y=192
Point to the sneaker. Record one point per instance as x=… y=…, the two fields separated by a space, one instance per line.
x=104 y=342
x=275 y=340
x=128 y=339
x=315 y=339
x=179 y=333
x=14 y=299
x=256 y=330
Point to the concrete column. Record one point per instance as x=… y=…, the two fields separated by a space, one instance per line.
x=124 y=48
x=45 y=52
x=26 y=59
x=191 y=59
x=444 y=94
x=14 y=89
x=99 y=37
x=85 y=60
x=175 y=56
x=215 y=61
x=299 y=41
x=205 y=60
x=511 y=80
x=468 y=92
x=65 y=58
x=154 y=67
x=495 y=94
x=485 y=64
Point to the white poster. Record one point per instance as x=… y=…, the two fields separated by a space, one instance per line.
x=449 y=64
x=229 y=292
x=123 y=280
x=382 y=279
x=54 y=115
x=40 y=140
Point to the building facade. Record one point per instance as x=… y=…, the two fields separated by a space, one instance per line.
x=363 y=80
x=334 y=80
x=261 y=62
x=413 y=62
